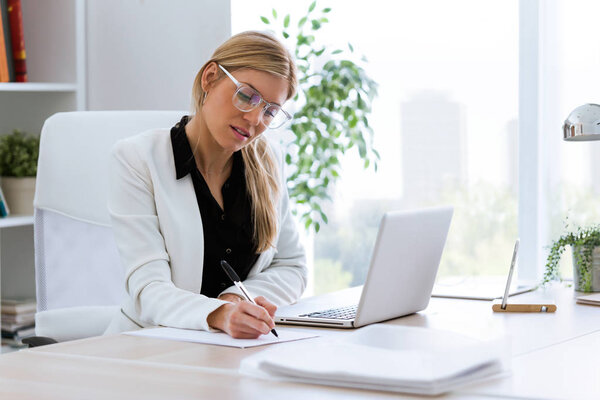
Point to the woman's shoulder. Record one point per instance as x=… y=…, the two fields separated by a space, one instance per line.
x=144 y=142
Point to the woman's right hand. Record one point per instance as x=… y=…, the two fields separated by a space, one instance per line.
x=243 y=320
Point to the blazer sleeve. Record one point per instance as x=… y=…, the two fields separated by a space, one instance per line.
x=285 y=277
x=141 y=246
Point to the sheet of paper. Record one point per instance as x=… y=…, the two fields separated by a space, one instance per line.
x=593 y=299
x=220 y=338
x=384 y=357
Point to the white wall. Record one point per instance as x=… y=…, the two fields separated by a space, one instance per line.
x=144 y=54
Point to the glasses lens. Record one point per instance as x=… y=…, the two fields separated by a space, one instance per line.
x=246 y=98
x=274 y=117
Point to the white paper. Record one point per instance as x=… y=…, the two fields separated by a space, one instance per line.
x=220 y=338
x=383 y=357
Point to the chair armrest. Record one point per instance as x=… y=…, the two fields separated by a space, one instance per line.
x=36 y=341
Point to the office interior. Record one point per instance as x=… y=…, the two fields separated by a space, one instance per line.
x=471 y=101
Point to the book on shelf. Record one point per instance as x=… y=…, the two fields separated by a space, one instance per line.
x=15 y=16
x=8 y=54
x=15 y=327
x=4 y=32
x=4 y=210
x=18 y=333
x=18 y=306
x=18 y=318
x=15 y=338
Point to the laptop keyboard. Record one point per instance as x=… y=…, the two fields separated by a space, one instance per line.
x=348 y=312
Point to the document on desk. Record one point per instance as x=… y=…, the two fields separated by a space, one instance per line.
x=220 y=338
x=383 y=357
x=591 y=299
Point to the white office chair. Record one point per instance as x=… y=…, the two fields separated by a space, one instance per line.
x=79 y=278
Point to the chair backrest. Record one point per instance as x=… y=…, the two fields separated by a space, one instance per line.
x=76 y=260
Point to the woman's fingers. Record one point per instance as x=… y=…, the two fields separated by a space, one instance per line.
x=244 y=319
x=258 y=313
x=270 y=307
x=247 y=320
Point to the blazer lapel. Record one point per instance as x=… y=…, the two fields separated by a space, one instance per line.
x=181 y=225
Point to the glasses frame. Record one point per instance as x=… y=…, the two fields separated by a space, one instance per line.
x=239 y=85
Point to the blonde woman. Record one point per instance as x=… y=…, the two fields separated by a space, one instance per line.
x=211 y=189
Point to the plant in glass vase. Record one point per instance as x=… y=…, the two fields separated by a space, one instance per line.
x=585 y=243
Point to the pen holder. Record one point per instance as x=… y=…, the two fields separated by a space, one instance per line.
x=524 y=308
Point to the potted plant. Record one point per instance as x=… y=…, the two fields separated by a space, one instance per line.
x=331 y=117
x=585 y=243
x=18 y=167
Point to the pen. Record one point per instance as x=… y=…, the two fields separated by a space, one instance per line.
x=237 y=282
x=510 y=274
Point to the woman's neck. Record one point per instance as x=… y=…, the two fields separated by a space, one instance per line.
x=211 y=159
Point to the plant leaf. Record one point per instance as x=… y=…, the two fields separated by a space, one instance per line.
x=265 y=20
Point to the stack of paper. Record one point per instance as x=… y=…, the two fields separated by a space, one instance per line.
x=382 y=357
x=18 y=320
x=592 y=299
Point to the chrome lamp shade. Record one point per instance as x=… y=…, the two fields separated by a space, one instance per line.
x=583 y=124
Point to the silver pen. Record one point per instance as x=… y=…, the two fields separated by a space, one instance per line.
x=238 y=282
x=510 y=274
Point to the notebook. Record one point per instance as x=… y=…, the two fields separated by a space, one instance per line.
x=402 y=270
x=591 y=299
x=384 y=358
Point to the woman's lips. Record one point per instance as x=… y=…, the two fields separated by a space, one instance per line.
x=240 y=133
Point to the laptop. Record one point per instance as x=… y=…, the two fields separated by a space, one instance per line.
x=402 y=271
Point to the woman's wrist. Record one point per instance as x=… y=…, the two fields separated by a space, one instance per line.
x=216 y=319
x=232 y=297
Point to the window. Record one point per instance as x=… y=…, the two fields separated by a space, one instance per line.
x=569 y=65
x=445 y=122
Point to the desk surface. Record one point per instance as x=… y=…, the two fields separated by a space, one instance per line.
x=553 y=356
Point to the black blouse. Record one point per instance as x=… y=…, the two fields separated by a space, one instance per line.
x=228 y=233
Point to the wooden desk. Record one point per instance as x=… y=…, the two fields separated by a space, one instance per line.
x=553 y=356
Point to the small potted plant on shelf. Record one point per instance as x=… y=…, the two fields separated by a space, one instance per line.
x=18 y=167
x=585 y=243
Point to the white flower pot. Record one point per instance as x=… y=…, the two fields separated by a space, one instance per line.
x=19 y=193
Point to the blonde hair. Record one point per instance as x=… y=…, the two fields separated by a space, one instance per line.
x=262 y=52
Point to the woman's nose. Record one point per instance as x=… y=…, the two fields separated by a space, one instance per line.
x=254 y=116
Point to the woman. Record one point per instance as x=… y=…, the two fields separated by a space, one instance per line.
x=211 y=189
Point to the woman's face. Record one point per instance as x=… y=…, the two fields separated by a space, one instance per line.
x=229 y=127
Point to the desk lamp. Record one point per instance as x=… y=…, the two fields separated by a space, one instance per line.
x=583 y=124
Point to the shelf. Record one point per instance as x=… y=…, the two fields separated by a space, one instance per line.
x=37 y=87
x=16 y=220
x=7 y=349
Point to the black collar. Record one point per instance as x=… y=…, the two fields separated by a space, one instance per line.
x=182 y=152
x=184 y=156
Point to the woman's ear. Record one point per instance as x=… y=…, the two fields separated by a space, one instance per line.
x=209 y=76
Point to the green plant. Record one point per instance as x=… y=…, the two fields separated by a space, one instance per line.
x=19 y=154
x=333 y=103
x=583 y=242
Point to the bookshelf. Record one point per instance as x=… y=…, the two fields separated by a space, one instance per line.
x=38 y=87
x=55 y=43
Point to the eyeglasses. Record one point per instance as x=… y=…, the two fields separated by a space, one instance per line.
x=247 y=99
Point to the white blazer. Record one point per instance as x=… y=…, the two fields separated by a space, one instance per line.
x=158 y=230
